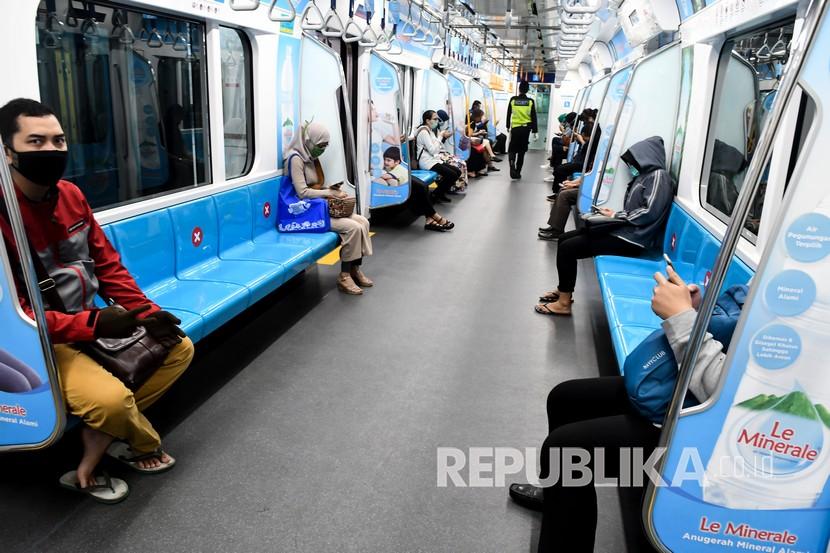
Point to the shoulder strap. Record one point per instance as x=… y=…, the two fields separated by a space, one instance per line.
x=44 y=281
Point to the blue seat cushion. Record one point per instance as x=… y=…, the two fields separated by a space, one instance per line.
x=427 y=177
x=291 y=259
x=315 y=244
x=215 y=302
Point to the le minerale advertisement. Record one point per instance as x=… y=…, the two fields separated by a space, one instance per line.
x=288 y=102
x=27 y=406
x=763 y=447
x=389 y=171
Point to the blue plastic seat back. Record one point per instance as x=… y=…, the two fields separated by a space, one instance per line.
x=196 y=233
x=110 y=236
x=264 y=205
x=233 y=209
x=145 y=243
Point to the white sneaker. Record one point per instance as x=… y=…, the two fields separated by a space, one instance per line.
x=549 y=179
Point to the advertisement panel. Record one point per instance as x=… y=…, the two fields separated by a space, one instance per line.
x=458 y=100
x=763 y=443
x=288 y=103
x=387 y=166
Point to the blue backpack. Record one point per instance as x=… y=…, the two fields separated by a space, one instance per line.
x=650 y=371
x=297 y=215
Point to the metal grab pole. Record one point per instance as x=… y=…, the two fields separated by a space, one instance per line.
x=35 y=301
x=730 y=240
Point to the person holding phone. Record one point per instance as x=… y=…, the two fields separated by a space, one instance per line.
x=302 y=157
x=645 y=209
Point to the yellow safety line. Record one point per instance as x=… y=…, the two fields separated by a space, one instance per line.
x=333 y=256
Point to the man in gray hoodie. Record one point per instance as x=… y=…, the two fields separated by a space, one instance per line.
x=631 y=231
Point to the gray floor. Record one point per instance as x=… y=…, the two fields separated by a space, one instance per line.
x=312 y=425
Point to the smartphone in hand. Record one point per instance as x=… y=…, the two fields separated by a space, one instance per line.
x=336 y=185
x=668 y=260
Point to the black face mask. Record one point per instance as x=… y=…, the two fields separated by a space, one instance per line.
x=42 y=167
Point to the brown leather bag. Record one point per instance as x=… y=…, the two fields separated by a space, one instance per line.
x=132 y=360
x=340 y=208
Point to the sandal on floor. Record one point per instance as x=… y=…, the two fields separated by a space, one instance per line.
x=123 y=453
x=105 y=490
x=346 y=285
x=446 y=223
x=543 y=309
x=432 y=225
x=552 y=297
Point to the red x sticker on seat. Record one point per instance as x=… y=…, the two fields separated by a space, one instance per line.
x=673 y=241
x=266 y=210
x=707 y=277
x=196 y=237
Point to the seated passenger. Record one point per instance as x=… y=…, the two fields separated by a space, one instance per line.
x=396 y=175
x=646 y=207
x=76 y=254
x=559 y=211
x=596 y=413
x=479 y=160
x=302 y=160
x=478 y=136
x=561 y=143
x=585 y=153
x=448 y=154
x=428 y=154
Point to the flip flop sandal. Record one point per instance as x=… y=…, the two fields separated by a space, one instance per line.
x=543 y=309
x=105 y=490
x=446 y=223
x=432 y=225
x=123 y=453
x=552 y=297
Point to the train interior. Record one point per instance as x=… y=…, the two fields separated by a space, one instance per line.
x=310 y=420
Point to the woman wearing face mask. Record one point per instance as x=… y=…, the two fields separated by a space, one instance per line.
x=640 y=223
x=428 y=154
x=302 y=160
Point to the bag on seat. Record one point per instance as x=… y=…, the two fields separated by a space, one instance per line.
x=650 y=371
x=298 y=215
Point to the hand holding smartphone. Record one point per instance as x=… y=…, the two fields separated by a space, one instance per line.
x=668 y=260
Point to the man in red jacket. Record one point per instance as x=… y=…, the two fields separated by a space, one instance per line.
x=82 y=263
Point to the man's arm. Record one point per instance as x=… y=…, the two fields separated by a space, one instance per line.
x=533 y=125
x=509 y=112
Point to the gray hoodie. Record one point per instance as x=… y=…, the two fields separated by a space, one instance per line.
x=649 y=195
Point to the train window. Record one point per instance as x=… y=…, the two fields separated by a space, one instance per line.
x=748 y=77
x=129 y=88
x=687 y=64
x=237 y=102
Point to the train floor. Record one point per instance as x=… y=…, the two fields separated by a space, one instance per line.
x=312 y=423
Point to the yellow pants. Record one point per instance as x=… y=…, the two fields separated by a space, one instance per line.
x=105 y=404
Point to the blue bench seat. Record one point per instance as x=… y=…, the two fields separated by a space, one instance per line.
x=627 y=283
x=427 y=177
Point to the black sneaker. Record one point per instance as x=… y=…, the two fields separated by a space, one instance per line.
x=497 y=159
x=546 y=229
x=528 y=496
x=549 y=236
x=493 y=168
x=551 y=198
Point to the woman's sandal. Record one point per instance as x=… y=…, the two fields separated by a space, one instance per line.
x=123 y=453
x=104 y=490
x=543 y=309
x=552 y=297
x=444 y=222
x=432 y=225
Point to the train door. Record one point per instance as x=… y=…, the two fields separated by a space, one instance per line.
x=649 y=109
x=541 y=92
x=750 y=465
x=489 y=104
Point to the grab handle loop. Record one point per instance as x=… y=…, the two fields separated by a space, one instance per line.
x=244 y=5
x=312 y=10
x=282 y=17
x=333 y=25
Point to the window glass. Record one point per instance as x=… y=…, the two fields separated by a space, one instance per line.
x=647 y=111
x=129 y=89
x=236 y=102
x=687 y=66
x=750 y=73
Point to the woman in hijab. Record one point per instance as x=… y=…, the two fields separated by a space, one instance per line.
x=302 y=161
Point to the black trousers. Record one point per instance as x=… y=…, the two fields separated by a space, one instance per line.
x=447 y=175
x=519 y=140
x=419 y=198
x=588 y=413
x=558 y=152
x=578 y=244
